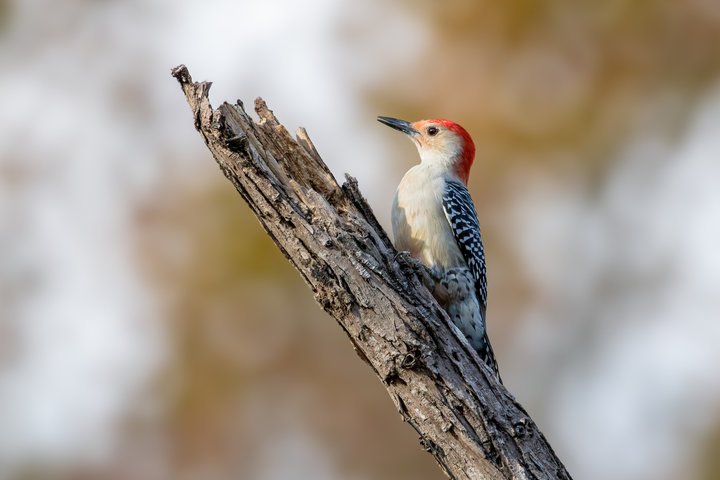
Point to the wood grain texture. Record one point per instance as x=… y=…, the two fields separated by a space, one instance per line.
x=470 y=423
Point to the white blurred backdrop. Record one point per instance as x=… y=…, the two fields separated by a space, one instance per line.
x=149 y=329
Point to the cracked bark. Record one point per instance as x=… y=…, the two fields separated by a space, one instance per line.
x=469 y=422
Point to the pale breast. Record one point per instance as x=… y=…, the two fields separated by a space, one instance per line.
x=419 y=223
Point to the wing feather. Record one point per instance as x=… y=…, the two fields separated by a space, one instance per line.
x=460 y=212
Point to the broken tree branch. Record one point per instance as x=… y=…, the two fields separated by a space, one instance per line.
x=469 y=422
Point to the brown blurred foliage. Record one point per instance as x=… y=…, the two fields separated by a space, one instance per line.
x=537 y=81
x=709 y=456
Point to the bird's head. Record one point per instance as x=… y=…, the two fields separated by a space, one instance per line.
x=440 y=142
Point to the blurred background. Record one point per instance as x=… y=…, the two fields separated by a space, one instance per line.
x=149 y=329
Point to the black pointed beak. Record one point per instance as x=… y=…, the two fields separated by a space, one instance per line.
x=402 y=125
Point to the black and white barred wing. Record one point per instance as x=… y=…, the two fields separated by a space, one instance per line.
x=460 y=212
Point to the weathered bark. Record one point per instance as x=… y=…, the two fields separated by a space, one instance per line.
x=465 y=418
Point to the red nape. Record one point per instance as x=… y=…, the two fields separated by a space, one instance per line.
x=468 y=154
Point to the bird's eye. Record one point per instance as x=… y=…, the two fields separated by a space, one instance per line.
x=432 y=131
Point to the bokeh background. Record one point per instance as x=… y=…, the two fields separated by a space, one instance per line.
x=149 y=329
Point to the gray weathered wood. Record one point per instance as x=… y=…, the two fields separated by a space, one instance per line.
x=465 y=418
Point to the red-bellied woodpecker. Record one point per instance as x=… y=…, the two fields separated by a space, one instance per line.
x=434 y=219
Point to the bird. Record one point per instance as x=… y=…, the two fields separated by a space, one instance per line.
x=434 y=219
